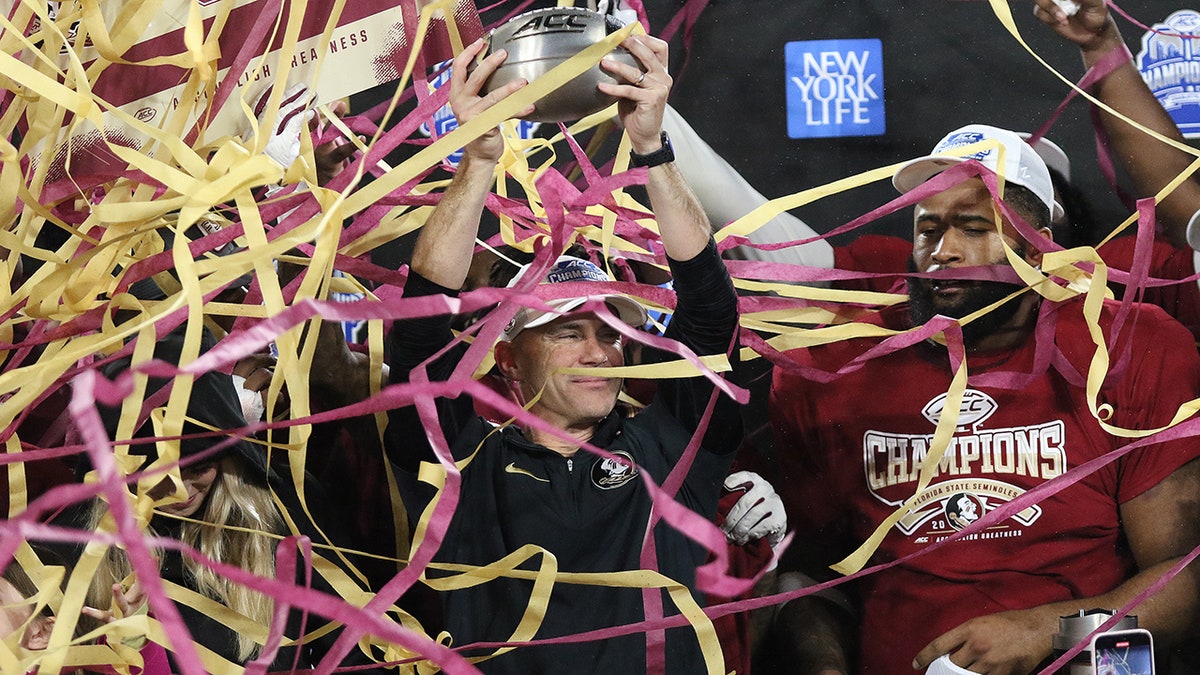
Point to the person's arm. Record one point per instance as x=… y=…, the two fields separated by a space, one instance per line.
x=333 y=156
x=1150 y=163
x=1161 y=525
x=705 y=318
x=447 y=240
x=441 y=260
x=726 y=196
x=681 y=221
x=815 y=634
x=758 y=514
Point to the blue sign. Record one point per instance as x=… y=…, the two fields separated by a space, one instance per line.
x=1170 y=64
x=834 y=88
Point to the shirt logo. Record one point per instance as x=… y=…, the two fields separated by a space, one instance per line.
x=1169 y=62
x=513 y=468
x=946 y=507
x=981 y=469
x=974 y=409
x=609 y=474
x=961 y=509
x=834 y=88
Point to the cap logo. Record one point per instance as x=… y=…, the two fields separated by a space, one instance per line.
x=574 y=270
x=963 y=139
x=208 y=226
x=569 y=269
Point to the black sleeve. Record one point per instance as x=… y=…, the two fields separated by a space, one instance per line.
x=410 y=344
x=706 y=321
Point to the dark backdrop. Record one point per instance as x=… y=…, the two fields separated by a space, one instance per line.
x=947 y=63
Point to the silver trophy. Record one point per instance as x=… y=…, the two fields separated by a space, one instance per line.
x=539 y=40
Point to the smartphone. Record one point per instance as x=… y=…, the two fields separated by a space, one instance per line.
x=1123 y=652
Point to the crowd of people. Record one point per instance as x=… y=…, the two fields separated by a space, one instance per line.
x=1006 y=446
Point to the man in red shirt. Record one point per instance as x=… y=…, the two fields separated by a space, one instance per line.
x=850 y=450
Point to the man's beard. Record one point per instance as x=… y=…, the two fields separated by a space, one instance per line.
x=921 y=307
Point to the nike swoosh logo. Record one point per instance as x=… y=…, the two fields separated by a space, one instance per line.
x=513 y=468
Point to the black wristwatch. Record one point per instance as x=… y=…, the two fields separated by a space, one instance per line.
x=660 y=156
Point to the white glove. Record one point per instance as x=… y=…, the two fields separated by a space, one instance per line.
x=253 y=408
x=619 y=9
x=1069 y=7
x=758 y=513
x=284 y=144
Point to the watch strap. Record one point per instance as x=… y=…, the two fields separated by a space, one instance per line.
x=660 y=156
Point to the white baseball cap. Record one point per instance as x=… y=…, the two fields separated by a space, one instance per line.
x=1193 y=231
x=569 y=269
x=1022 y=165
x=1051 y=154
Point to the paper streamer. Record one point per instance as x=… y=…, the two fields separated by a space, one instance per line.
x=102 y=171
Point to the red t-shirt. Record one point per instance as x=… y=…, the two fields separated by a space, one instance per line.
x=878 y=253
x=1167 y=261
x=848 y=453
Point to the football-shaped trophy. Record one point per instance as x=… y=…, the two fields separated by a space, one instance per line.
x=539 y=40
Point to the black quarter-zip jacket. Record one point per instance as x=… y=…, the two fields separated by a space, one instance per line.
x=591 y=514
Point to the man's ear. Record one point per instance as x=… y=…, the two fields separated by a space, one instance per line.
x=1033 y=254
x=37 y=635
x=504 y=360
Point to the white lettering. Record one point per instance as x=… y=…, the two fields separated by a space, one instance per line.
x=968 y=453
x=1036 y=451
x=1051 y=451
x=874 y=445
x=897 y=460
x=835 y=88
x=1172 y=75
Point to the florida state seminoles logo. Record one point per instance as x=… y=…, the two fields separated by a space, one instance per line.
x=609 y=474
x=962 y=509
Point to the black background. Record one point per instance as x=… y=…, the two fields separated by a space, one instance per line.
x=946 y=64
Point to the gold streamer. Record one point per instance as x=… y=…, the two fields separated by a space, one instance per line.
x=52 y=81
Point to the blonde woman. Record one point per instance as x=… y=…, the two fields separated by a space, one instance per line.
x=229 y=514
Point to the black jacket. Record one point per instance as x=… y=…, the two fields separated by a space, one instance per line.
x=590 y=515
